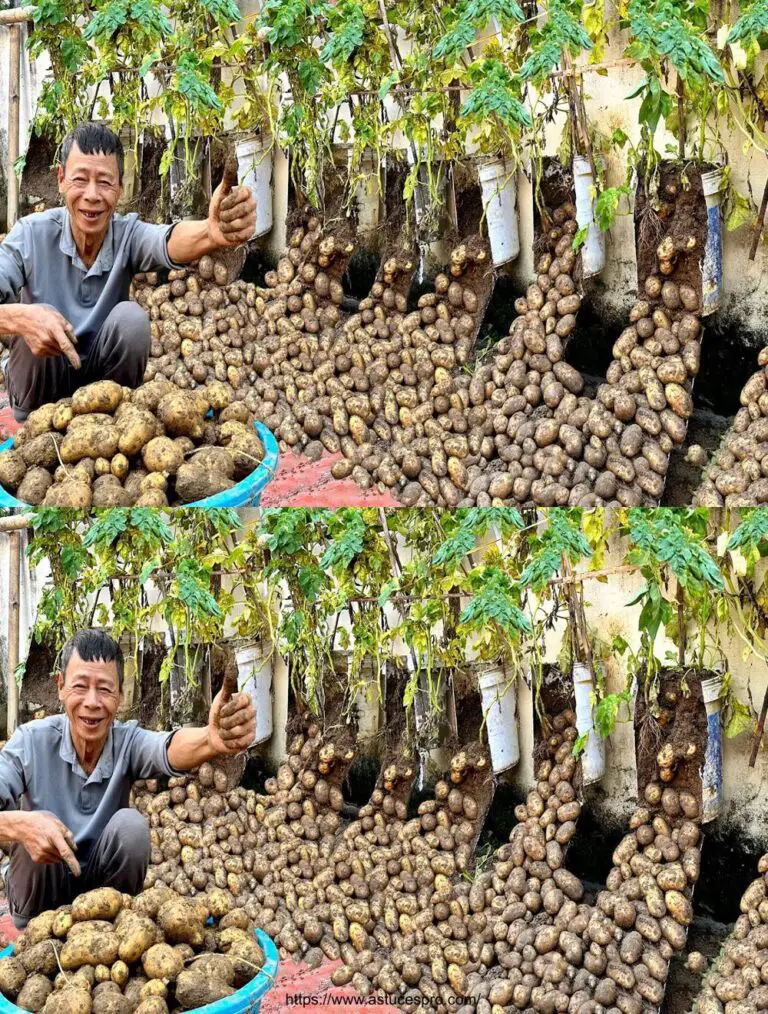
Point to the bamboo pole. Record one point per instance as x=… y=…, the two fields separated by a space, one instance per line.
x=14 y=123
x=15 y=523
x=14 y=582
x=16 y=16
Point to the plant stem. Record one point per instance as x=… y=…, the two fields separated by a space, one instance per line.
x=681 y=119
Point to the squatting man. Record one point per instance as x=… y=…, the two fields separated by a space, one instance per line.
x=72 y=774
x=65 y=274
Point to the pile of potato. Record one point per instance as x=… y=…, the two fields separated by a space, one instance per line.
x=738 y=473
x=109 y=953
x=736 y=980
x=393 y=899
x=203 y=834
x=110 y=446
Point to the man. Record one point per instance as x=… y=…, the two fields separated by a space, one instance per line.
x=65 y=273
x=73 y=773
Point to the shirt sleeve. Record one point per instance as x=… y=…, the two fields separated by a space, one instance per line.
x=149 y=754
x=149 y=247
x=13 y=784
x=13 y=275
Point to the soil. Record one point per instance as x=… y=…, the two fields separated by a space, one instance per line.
x=556 y=695
x=151 y=692
x=39 y=186
x=682 y=217
x=38 y=691
x=469 y=199
x=684 y=722
x=683 y=479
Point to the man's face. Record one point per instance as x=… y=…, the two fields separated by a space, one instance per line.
x=91 y=188
x=90 y=695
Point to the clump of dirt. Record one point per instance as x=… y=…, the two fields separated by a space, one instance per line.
x=671 y=204
x=39 y=188
x=678 y=720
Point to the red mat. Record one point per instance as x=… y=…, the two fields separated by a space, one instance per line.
x=298 y=986
x=8 y=425
x=303 y=483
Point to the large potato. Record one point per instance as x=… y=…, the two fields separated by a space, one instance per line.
x=103 y=396
x=12 y=470
x=12 y=977
x=90 y=947
x=103 y=903
x=70 y=1000
x=183 y=414
x=162 y=454
x=196 y=989
x=161 y=961
x=91 y=440
x=136 y=933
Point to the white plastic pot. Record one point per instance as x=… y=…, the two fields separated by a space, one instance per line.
x=367 y=700
x=593 y=250
x=712 y=775
x=254 y=676
x=368 y=193
x=712 y=266
x=593 y=756
x=499 y=698
x=254 y=167
x=498 y=186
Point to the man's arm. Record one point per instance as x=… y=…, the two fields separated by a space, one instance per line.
x=44 y=836
x=44 y=329
x=231 y=222
x=231 y=729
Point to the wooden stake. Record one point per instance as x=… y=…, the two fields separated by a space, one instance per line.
x=759 y=224
x=681 y=118
x=15 y=523
x=14 y=123
x=14 y=615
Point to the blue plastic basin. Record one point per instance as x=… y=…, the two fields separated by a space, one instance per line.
x=246 y=999
x=246 y=493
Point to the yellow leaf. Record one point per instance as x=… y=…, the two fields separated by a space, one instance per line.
x=722 y=35
x=739 y=563
x=722 y=542
x=739 y=56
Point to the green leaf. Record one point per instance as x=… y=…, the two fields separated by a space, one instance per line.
x=580 y=237
x=580 y=744
x=740 y=718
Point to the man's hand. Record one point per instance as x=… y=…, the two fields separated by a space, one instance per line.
x=45 y=331
x=231 y=216
x=47 y=840
x=232 y=726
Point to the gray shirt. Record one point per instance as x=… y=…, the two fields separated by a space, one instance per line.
x=39 y=263
x=39 y=765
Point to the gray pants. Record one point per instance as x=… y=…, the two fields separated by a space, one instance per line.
x=118 y=352
x=119 y=858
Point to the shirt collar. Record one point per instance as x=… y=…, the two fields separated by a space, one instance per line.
x=105 y=765
x=105 y=258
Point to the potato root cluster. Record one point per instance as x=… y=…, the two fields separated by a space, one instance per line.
x=738 y=473
x=110 y=953
x=110 y=446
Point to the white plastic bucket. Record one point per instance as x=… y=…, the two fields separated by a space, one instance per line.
x=499 y=189
x=593 y=755
x=254 y=676
x=593 y=250
x=254 y=167
x=367 y=699
x=712 y=775
x=499 y=697
x=712 y=266
x=368 y=193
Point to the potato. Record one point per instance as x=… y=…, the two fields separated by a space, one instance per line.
x=162 y=455
x=196 y=482
x=12 y=470
x=182 y=921
x=90 y=947
x=136 y=934
x=13 y=975
x=70 y=493
x=196 y=989
x=136 y=428
x=34 y=993
x=161 y=961
x=103 y=396
x=103 y=903
x=182 y=413
x=41 y=957
x=42 y=451
x=34 y=486
x=90 y=440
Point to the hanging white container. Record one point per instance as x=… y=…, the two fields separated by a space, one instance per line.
x=254 y=677
x=498 y=185
x=593 y=250
x=712 y=774
x=368 y=193
x=593 y=755
x=499 y=698
x=712 y=266
x=254 y=168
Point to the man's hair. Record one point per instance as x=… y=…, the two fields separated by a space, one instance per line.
x=93 y=139
x=93 y=646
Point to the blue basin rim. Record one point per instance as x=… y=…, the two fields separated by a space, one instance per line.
x=246 y=493
x=246 y=999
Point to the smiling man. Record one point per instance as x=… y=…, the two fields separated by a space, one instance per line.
x=72 y=774
x=65 y=274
